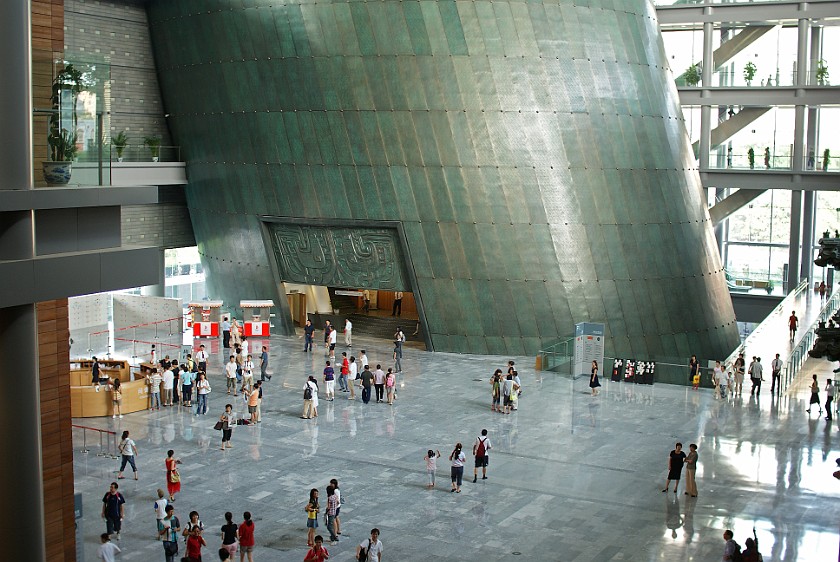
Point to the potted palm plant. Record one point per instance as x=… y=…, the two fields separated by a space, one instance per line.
x=692 y=75
x=119 y=142
x=826 y=159
x=61 y=138
x=749 y=72
x=152 y=142
x=822 y=73
x=751 y=157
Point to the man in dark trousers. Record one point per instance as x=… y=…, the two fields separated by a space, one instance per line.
x=398 y=297
x=776 y=370
x=756 y=376
x=308 y=336
x=481 y=450
x=367 y=383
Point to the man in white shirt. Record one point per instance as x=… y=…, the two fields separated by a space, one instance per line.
x=108 y=551
x=333 y=339
x=348 y=332
x=373 y=547
x=776 y=369
x=230 y=373
x=397 y=310
x=168 y=385
x=363 y=360
x=248 y=373
x=154 y=390
x=354 y=371
x=201 y=358
x=245 y=346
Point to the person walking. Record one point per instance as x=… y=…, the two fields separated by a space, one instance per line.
x=312 y=508
x=160 y=511
x=693 y=370
x=231 y=368
x=372 y=548
x=264 y=364
x=776 y=372
x=481 y=449
x=793 y=323
x=397 y=309
x=246 y=538
x=248 y=372
x=334 y=483
x=309 y=390
x=253 y=401
x=113 y=510
x=815 y=395
x=128 y=450
x=390 y=386
x=332 y=506
x=431 y=466
x=230 y=534
x=458 y=459
x=344 y=372
x=228 y=419
x=348 y=332
x=739 y=374
x=731 y=549
x=193 y=547
x=367 y=383
x=829 y=398
x=329 y=381
x=675 y=466
x=379 y=383
x=756 y=376
x=171 y=527
x=308 y=336
x=116 y=398
x=225 y=333
x=691 y=471
x=398 y=358
x=353 y=374
x=315 y=396
x=593 y=379
x=202 y=390
x=173 y=477
x=107 y=551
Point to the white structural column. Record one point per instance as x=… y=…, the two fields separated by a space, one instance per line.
x=705 y=109
x=798 y=157
x=21 y=474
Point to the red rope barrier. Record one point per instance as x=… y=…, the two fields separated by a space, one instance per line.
x=162 y=344
x=94 y=429
x=137 y=326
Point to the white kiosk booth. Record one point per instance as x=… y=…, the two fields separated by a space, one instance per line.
x=256 y=318
x=206 y=316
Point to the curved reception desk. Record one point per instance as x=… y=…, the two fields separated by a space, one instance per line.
x=89 y=401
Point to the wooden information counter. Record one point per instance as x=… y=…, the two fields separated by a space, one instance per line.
x=86 y=402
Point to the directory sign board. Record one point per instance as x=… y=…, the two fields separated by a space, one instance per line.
x=589 y=347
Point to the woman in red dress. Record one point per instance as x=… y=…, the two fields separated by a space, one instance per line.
x=173 y=477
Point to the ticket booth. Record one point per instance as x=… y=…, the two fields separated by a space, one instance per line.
x=206 y=316
x=256 y=319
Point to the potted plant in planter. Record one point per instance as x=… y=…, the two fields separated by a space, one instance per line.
x=751 y=157
x=749 y=72
x=152 y=142
x=822 y=73
x=826 y=159
x=692 y=75
x=119 y=142
x=62 y=135
x=770 y=286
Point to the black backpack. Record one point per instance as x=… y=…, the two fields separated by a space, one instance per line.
x=363 y=553
x=737 y=555
x=307 y=393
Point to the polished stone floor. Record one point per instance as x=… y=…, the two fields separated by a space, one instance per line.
x=572 y=477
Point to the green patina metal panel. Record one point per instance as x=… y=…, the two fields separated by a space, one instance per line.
x=533 y=154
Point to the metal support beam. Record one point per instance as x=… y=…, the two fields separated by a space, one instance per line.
x=770 y=179
x=756 y=96
x=795 y=238
x=807 y=267
x=731 y=204
x=781 y=10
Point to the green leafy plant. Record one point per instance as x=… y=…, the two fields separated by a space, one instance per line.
x=751 y=157
x=770 y=286
x=822 y=73
x=749 y=72
x=692 y=75
x=826 y=159
x=120 y=141
x=61 y=140
x=152 y=142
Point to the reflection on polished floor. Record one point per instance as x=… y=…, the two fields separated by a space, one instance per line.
x=571 y=477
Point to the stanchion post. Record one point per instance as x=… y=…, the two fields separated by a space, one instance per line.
x=84 y=441
x=100 y=453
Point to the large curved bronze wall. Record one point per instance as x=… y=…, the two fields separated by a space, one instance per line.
x=534 y=154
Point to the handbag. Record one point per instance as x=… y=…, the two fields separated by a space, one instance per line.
x=170 y=548
x=174 y=477
x=220 y=425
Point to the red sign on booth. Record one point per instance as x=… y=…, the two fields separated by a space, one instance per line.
x=257 y=329
x=206 y=329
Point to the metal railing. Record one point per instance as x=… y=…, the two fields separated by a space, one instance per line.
x=799 y=354
x=106 y=440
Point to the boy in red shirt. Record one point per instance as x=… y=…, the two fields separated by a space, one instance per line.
x=317 y=553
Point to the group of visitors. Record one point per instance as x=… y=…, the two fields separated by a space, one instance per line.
x=505 y=390
x=178 y=382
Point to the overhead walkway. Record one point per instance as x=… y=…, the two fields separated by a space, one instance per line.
x=772 y=335
x=743 y=178
x=727 y=128
x=697 y=13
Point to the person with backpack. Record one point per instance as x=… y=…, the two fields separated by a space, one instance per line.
x=731 y=549
x=480 y=449
x=370 y=550
x=309 y=390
